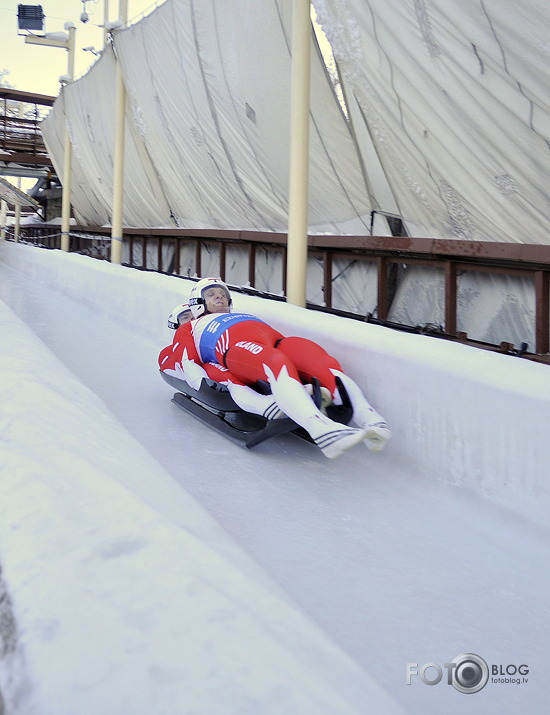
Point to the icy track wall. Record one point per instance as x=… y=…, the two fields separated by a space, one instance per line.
x=466 y=417
x=88 y=524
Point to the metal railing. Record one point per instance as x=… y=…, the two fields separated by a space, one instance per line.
x=233 y=255
x=20 y=136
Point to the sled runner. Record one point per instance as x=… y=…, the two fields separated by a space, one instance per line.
x=213 y=404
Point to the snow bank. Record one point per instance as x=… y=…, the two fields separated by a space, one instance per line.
x=427 y=388
x=124 y=595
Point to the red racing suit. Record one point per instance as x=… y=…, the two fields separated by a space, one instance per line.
x=241 y=348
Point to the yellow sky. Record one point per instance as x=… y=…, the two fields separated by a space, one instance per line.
x=37 y=69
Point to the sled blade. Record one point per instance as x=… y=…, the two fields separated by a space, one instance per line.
x=210 y=393
x=273 y=428
x=242 y=427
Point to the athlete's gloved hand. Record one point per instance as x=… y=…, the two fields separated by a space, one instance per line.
x=193 y=374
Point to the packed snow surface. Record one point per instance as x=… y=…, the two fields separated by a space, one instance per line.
x=150 y=565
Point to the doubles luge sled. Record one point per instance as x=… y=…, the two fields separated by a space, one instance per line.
x=213 y=404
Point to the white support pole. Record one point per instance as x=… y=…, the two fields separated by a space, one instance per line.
x=69 y=45
x=105 y=21
x=118 y=168
x=299 y=155
x=68 y=152
x=3 y=219
x=66 y=195
x=17 y=217
x=17 y=223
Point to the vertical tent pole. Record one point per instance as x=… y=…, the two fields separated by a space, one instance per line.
x=68 y=153
x=105 y=21
x=17 y=217
x=3 y=217
x=66 y=195
x=69 y=45
x=299 y=154
x=118 y=169
x=17 y=222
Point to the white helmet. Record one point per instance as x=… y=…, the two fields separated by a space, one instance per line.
x=196 y=300
x=180 y=314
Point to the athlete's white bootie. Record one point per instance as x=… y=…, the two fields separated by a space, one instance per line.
x=377 y=435
x=376 y=427
x=331 y=437
x=365 y=416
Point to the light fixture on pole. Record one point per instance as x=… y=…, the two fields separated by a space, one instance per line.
x=85 y=17
x=65 y=40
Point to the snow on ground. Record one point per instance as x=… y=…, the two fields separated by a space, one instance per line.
x=138 y=547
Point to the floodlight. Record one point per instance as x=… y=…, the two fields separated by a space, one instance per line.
x=30 y=17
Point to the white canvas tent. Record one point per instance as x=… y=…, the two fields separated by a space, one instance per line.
x=448 y=104
x=208 y=125
x=455 y=97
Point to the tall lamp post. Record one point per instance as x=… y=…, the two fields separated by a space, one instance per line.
x=65 y=40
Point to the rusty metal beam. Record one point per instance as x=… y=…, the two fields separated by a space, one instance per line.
x=450 y=298
x=223 y=257
x=327 y=278
x=177 y=255
x=16 y=95
x=23 y=158
x=252 y=264
x=395 y=247
x=542 y=316
x=198 y=258
x=382 y=288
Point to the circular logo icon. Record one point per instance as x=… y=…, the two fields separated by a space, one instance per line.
x=471 y=673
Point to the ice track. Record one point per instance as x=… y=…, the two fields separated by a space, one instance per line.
x=394 y=565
